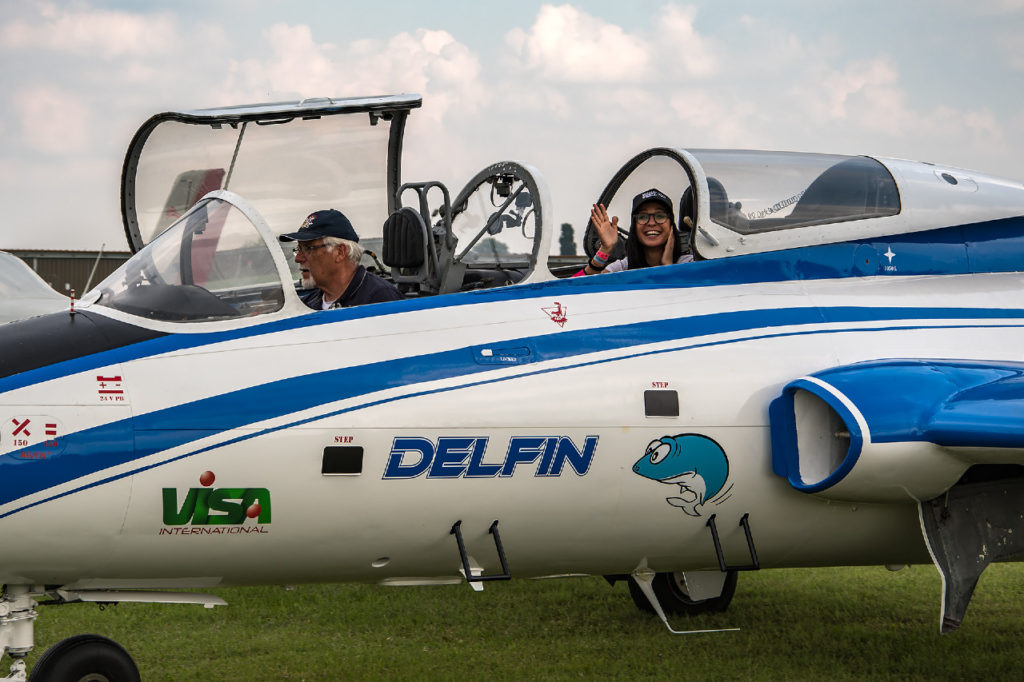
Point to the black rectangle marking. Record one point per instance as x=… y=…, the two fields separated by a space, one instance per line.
x=342 y=460
x=661 y=403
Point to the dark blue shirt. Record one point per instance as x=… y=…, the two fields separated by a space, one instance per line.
x=365 y=287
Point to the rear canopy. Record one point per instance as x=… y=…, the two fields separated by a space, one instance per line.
x=288 y=159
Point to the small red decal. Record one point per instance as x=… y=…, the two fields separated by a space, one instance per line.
x=110 y=385
x=21 y=426
x=557 y=314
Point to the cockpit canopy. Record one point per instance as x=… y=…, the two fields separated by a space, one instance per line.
x=213 y=264
x=753 y=192
x=742 y=201
x=287 y=159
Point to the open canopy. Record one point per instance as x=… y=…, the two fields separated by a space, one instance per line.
x=743 y=201
x=288 y=159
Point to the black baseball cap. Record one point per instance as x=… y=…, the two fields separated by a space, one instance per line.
x=327 y=223
x=656 y=196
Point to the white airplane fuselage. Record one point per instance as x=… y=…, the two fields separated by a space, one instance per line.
x=474 y=407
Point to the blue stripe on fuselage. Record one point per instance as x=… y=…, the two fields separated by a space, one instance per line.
x=993 y=246
x=99 y=448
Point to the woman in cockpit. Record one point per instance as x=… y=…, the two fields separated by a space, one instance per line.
x=652 y=240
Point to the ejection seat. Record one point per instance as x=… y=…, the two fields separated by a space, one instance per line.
x=419 y=256
x=723 y=211
x=501 y=202
x=408 y=248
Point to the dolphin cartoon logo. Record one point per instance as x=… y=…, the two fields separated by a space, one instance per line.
x=695 y=463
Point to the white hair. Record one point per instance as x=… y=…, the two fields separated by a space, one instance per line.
x=355 y=251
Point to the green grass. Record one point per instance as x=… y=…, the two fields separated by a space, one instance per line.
x=834 y=623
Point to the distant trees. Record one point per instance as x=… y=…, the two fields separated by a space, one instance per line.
x=567 y=242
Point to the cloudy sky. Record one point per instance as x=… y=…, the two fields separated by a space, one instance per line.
x=575 y=89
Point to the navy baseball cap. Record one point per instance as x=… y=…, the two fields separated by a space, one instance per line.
x=327 y=223
x=656 y=196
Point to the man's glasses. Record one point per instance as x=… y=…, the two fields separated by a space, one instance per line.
x=306 y=250
x=644 y=218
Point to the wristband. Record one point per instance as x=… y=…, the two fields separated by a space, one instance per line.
x=602 y=255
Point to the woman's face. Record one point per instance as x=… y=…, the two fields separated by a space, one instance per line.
x=652 y=233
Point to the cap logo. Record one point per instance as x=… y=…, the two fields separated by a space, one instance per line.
x=308 y=221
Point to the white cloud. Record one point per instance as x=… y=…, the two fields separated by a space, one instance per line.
x=1009 y=46
x=681 y=45
x=69 y=204
x=296 y=64
x=53 y=121
x=431 y=63
x=567 y=44
x=569 y=65
x=760 y=49
x=866 y=100
x=709 y=120
x=135 y=73
x=434 y=64
x=827 y=92
x=1000 y=6
x=85 y=31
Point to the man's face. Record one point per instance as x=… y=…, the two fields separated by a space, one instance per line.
x=314 y=262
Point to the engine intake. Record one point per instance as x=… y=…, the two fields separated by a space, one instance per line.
x=896 y=430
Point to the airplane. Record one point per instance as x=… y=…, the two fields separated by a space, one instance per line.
x=23 y=293
x=835 y=380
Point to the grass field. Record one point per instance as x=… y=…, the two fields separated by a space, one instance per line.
x=835 y=623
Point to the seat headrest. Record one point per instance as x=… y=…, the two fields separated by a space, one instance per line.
x=404 y=234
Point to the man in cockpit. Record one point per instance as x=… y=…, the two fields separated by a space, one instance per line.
x=328 y=254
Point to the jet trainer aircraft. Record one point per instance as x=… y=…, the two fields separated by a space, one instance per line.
x=835 y=380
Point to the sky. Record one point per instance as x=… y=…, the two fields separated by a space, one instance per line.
x=574 y=89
